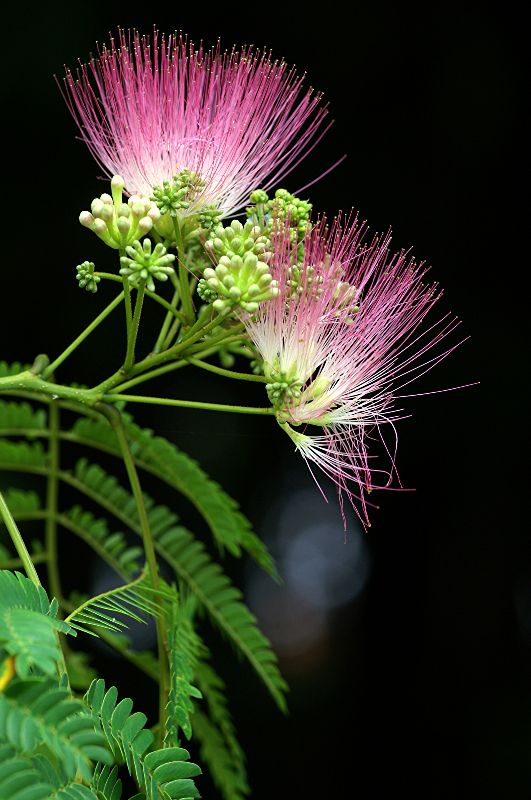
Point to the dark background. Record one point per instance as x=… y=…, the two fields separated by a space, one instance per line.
x=420 y=680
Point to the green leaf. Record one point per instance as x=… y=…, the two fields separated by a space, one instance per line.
x=223 y=602
x=165 y=773
x=80 y=673
x=106 y=783
x=185 y=647
x=20 y=501
x=34 y=778
x=192 y=564
x=28 y=624
x=219 y=746
x=40 y=715
x=6 y=370
x=231 y=529
x=128 y=601
x=15 y=456
x=226 y=775
x=15 y=416
x=125 y=559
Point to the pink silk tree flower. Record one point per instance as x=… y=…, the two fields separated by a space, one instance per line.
x=339 y=342
x=149 y=109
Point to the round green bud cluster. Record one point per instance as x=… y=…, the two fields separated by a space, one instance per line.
x=279 y=392
x=312 y=280
x=177 y=194
x=287 y=205
x=237 y=240
x=116 y=223
x=208 y=217
x=237 y=281
x=86 y=278
x=141 y=264
x=259 y=197
x=283 y=206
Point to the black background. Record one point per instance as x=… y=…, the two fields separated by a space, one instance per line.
x=422 y=682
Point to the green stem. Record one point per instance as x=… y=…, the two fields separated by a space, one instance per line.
x=133 y=331
x=147 y=376
x=186 y=299
x=152 y=295
x=24 y=381
x=167 y=401
x=15 y=563
x=227 y=373
x=128 y=306
x=166 y=324
x=171 y=334
x=82 y=336
x=18 y=541
x=52 y=493
x=149 y=548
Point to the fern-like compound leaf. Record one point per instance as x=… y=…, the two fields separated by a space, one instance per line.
x=231 y=529
x=130 y=601
x=184 y=650
x=106 y=783
x=165 y=773
x=28 y=624
x=38 y=715
x=21 y=416
x=215 y=754
x=215 y=731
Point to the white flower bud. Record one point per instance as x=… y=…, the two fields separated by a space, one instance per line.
x=145 y=224
x=86 y=219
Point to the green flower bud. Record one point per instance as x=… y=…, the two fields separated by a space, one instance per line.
x=86 y=278
x=179 y=193
x=237 y=240
x=116 y=223
x=237 y=281
x=141 y=264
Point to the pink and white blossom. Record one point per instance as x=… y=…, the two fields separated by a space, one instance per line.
x=340 y=346
x=148 y=108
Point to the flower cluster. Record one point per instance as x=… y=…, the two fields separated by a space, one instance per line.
x=237 y=282
x=337 y=351
x=141 y=264
x=117 y=223
x=332 y=319
x=149 y=109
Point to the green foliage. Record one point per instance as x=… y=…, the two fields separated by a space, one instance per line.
x=12 y=369
x=223 y=602
x=34 y=778
x=229 y=526
x=22 y=456
x=214 y=753
x=20 y=501
x=29 y=624
x=128 y=601
x=106 y=783
x=112 y=547
x=184 y=650
x=38 y=716
x=192 y=564
x=165 y=773
x=219 y=747
x=80 y=672
x=21 y=416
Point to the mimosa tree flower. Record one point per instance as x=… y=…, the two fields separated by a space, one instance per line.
x=151 y=109
x=338 y=345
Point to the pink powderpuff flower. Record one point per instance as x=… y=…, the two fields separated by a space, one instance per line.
x=339 y=342
x=148 y=109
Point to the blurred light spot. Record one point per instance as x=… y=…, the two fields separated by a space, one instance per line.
x=321 y=569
